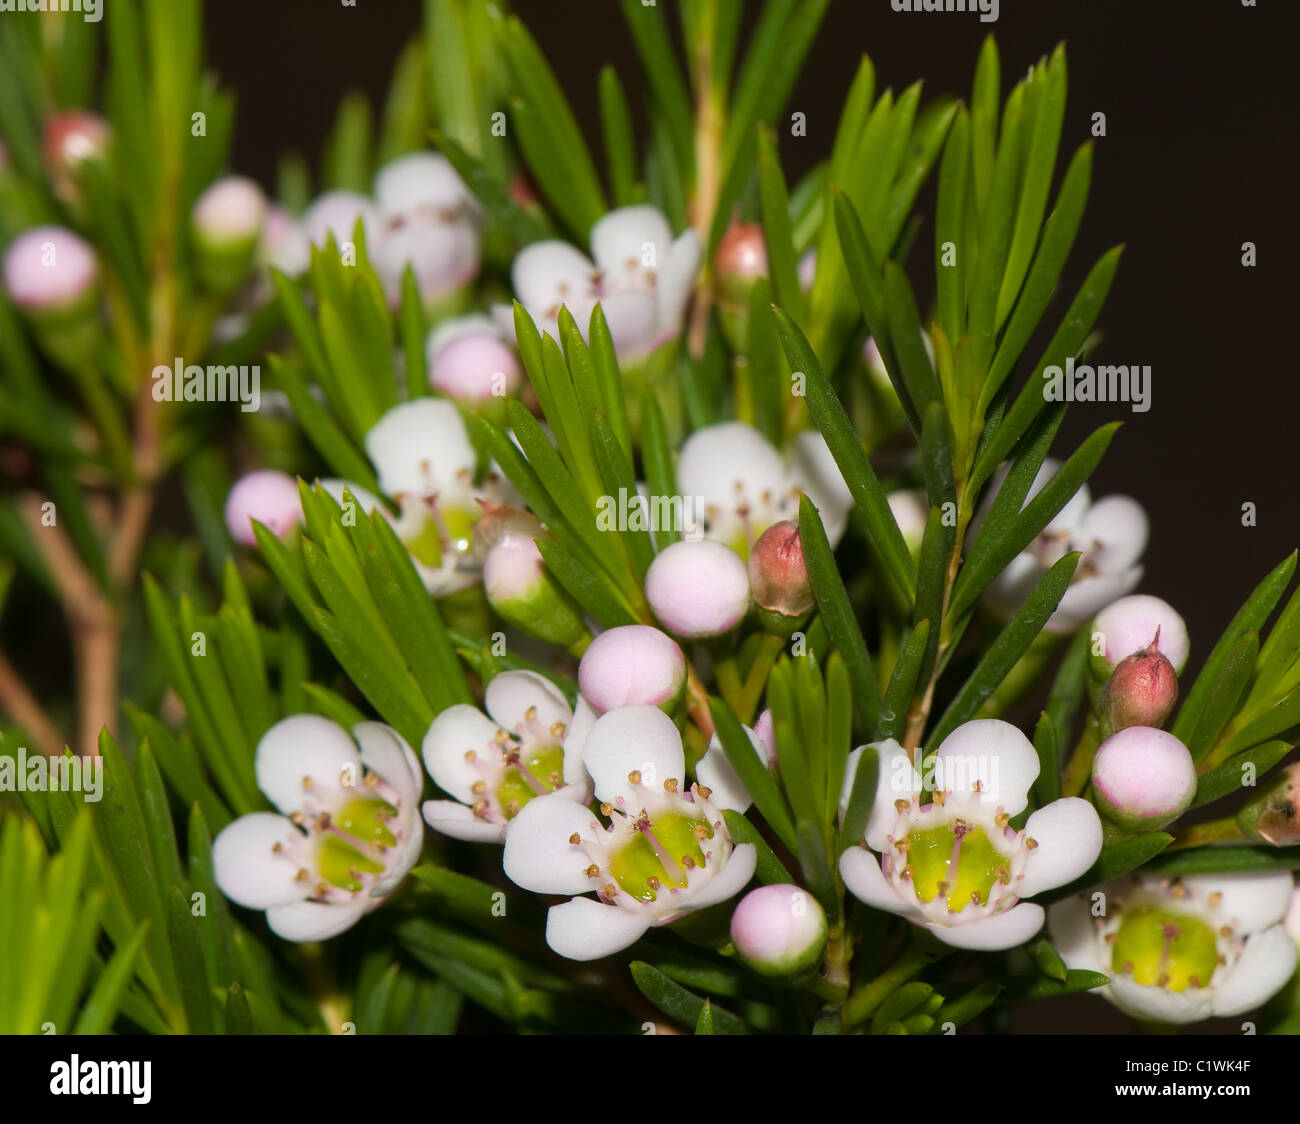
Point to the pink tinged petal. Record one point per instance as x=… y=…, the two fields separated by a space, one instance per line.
x=633 y=739
x=730 y=880
x=539 y=855
x=420 y=447
x=316 y=921
x=269 y=497
x=995 y=754
x=546 y=274
x=989 y=934
x=621 y=240
x=864 y=879
x=575 y=744
x=1119 y=524
x=1158 y=1004
x=386 y=754
x=896 y=779
x=337 y=212
x=1263 y=969
x=512 y=694
x=585 y=929
x=1130 y=624
x=302 y=747
x=676 y=279
x=1074 y=932
x=1251 y=901
x=1087 y=597
x=401 y=864
x=631 y=318
x=631 y=664
x=818 y=476
x=420 y=181
x=443 y=255
x=447 y=817
x=1068 y=834
x=249 y=870
x=458 y=730
x=472 y=324
x=716 y=773
x=698 y=589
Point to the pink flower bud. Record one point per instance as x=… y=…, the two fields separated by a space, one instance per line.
x=67 y=141
x=779 y=930
x=632 y=665
x=1129 y=625
x=778 y=573
x=337 y=213
x=1142 y=691
x=283 y=244
x=740 y=260
x=230 y=212
x=474 y=367
x=49 y=269
x=698 y=589
x=1143 y=778
x=521 y=589
x=268 y=496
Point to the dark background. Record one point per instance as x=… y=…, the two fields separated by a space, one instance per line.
x=1200 y=157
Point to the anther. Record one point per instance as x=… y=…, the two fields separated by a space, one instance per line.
x=634 y=777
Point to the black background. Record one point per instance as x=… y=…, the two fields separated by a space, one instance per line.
x=1199 y=157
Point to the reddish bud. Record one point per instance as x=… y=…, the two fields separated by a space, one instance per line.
x=740 y=260
x=778 y=572
x=1142 y=691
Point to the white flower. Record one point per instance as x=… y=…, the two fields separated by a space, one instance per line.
x=745 y=484
x=337 y=213
x=1111 y=534
x=494 y=764
x=641 y=277
x=665 y=853
x=1177 y=951
x=349 y=833
x=716 y=772
x=423 y=457
x=955 y=865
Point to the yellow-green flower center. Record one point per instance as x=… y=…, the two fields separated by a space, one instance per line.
x=347 y=852
x=660 y=854
x=545 y=772
x=1158 y=948
x=958 y=861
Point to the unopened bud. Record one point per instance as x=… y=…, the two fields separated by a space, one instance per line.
x=52 y=275
x=337 y=213
x=1141 y=692
x=1143 y=778
x=267 y=496
x=740 y=260
x=474 y=368
x=698 y=589
x=284 y=244
x=779 y=930
x=778 y=572
x=1128 y=625
x=227 y=220
x=1274 y=816
x=68 y=140
x=632 y=665
x=521 y=589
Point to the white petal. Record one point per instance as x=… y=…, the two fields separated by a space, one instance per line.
x=715 y=772
x=336 y=213
x=1070 y=518
x=1088 y=596
x=1119 y=524
x=420 y=447
x=368 y=501
x=472 y=324
x=994 y=753
x=450 y=818
x=386 y=754
x=620 y=239
x=864 y=879
x=631 y=318
x=633 y=739
x=419 y=181
x=1002 y=930
x=1158 y=1004
x=1263 y=969
x=730 y=880
x=714 y=459
x=674 y=282
x=1252 y=901
x=575 y=743
x=538 y=854
x=1068 y=834
x=896 y=779
x=818 y=477
x=511 y=694
x=456 y=731
x=301 y=747
x=550 y=273
x=411 y=840
x=585 y=929
x=248 y=869
x=1074 y=932
x=316 y=921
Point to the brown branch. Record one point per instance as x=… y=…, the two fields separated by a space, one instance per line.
x=21 y=705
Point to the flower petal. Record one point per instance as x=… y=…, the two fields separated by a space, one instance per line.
x=575 y=742
x=716 y=459
x=1251 y=901
x=1003 y=930
x=896 y=779
x=818 y=476
x=302 y=749
x=458 y=730
x=585 y=929
x=1158 y=1004
x=316 y=921
x=633 y=739
x=1074 y=932
x=386 y=754
x=546 y=274
x=1263 y=969
x=1119 y=527
x=538 y=854
x=1088 y=596
x=864 y=879
x=411 y=841
x=512 y=694
x=631 y=318
x=447 y=817
x=716 y=773
x=1068 y=834
x=995 y=754
x=248 y=868
x=675 y=280
x=419 y=448
x=620 y=239
x=728 y=881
